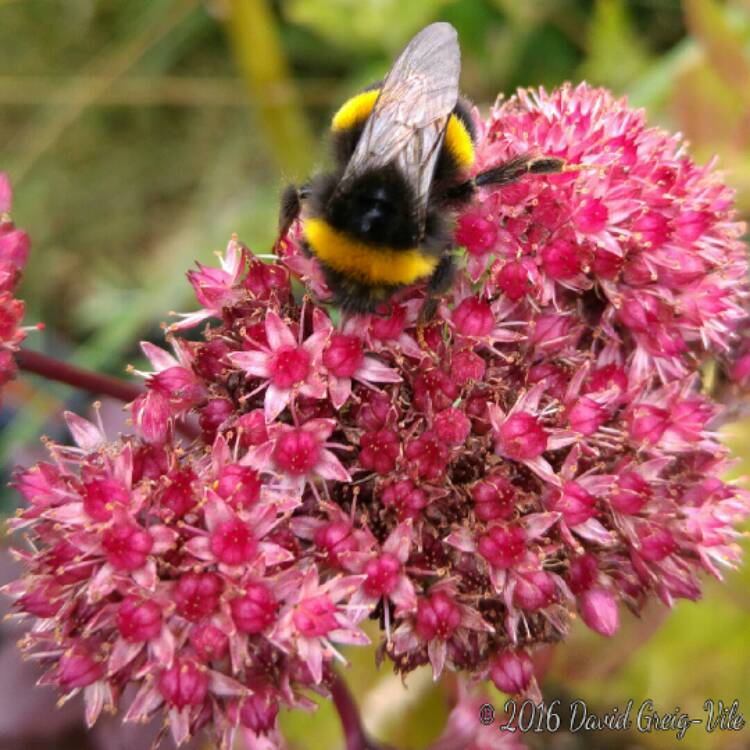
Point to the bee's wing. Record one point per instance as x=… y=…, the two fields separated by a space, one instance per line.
x=408 y=121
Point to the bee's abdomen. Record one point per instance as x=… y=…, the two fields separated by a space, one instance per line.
x=367 y=264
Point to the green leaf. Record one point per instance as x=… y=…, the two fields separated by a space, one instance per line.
x=616 y=54
x=372 y=25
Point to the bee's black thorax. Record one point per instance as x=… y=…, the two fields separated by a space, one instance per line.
x=378 y=208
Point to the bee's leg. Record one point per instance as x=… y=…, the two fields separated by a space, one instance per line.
x=291 y=206
x=503 y=174
x=517 y=167
x=440 y=281
x=460 y=194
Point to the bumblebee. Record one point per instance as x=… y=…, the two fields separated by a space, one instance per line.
x=403 y=150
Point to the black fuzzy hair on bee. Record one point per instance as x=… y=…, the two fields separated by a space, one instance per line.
x=375 y=209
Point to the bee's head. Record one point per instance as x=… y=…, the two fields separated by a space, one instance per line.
x=376 y=207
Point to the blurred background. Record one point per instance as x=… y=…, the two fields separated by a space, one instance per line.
x=139 y=135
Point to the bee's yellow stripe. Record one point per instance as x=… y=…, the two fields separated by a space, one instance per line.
x=458 y=142
x=353 y=112
x=366 y=263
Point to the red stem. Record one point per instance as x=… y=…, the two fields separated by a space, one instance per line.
x=62 y=372
x=355 y=737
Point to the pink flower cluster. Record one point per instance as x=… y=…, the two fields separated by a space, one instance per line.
x=14 y=251
x=551 y=452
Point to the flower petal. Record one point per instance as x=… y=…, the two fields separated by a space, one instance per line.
x=252 y=362
x=158 y=357
x=200 y=547
x=329 y=467
x=276 y=401
x=340 y=390
x=371 y=370
x=437 y=651
x=86 y=434
x=277 y=332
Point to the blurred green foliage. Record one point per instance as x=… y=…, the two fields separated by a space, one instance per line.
x=141 y=134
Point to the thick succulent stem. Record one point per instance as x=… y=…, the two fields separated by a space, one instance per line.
x=355 y=737
x=62 y=372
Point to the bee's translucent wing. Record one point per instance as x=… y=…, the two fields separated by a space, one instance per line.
x=407 y=124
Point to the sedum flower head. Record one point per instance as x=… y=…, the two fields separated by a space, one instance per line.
x=551 y=453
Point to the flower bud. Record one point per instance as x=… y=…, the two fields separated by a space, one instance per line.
x=473 y=317
x=512 y=672
x=344 y=355
x=255 y=610
x=78 y=668
x=438 y=617
x=598 y=608
x=494 y=498
x=521 y=437
x=503 y=546
x=184 y=684
x=208 y=642
x=315 y=616
x=379 y=450
x=138 y=619
x=197 y=595
x=127 y=546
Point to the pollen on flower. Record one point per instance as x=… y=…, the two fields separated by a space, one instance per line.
x=503 y=546
x=289 y=366
x=315 y=616
x=255 y=610
x=494 y=497
x=296 y=451
x=197 y=595
x=522 y=436
x=438 y=616
x=382 y=575
x=126 y=546
x=379 y=450
x=78 y=668
x=233 y=543
x=184 y=684
x=344 y=355
x=101 y=496
x=139 y=619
